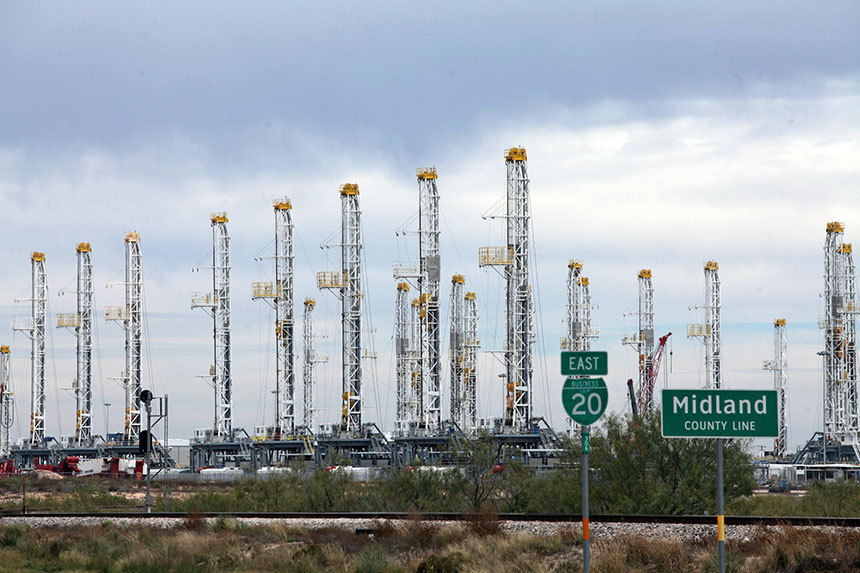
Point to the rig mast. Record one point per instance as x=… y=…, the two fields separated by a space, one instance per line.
x=779 y=366
x=514 y=257
x=310 y=360
x=7 y=401
x=130 y=318
x=428 y=289
x=82 y=322
x=841 y=420
x=457 y=351
x=34 y=328
x=580 y=331
x=709 y=332
x=280 y=294
x=643 y=340
x=470 y=362
x=403 y=351
x=347 y=282
x=218 y=306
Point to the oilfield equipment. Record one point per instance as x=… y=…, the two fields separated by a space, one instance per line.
x=779 y=366
x=423 y=431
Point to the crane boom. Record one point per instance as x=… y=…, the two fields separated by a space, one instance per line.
x=646 y=392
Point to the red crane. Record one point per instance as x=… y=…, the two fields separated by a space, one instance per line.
x=646 y=392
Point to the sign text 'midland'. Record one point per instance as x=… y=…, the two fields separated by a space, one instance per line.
x=719 y=414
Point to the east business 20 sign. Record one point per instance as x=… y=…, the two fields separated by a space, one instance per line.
x=720 y=414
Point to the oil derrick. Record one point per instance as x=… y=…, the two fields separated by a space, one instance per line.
x=34 y=328
x=402 y=351
x=643 y=340
x=580 y=331
x=779 y=366
x=82 y=323
x=347 y=284
x=470 y=362
x=309 y=361
x=514 y=259
x=428 y=289
x=280 y=295
x=457 y=351
x=840 y=376
x=709 y=331
x=217 y=305
x=130 y=319
x=7 y=401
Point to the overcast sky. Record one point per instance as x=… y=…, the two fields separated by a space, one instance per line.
x=659 y=136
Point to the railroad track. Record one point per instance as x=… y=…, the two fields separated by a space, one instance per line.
x=444 y=516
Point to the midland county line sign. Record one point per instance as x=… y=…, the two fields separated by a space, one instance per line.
x=720 y=414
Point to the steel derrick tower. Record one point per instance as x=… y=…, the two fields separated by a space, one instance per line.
x=643 y=340
x=309 y=361
x=470 y=362
x=580 y=331
x=709 y=332
x=280 y=295
x=779 y=366
x=428 y=289
x=514 y=257
x=403 y=351
x=82 y=322
x=457 y=350
x=840 y=330
x=347 y=283
x=7 y=401
x=217 y=305
x=130 y=319
x=34 y=329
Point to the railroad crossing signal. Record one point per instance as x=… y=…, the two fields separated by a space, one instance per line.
x=584 y=399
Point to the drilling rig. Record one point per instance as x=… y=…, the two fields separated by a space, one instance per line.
x=217 y=305
x=779 y=367
x=309 y=362
x=709 y=331
x=514 y=259
x=82 y=323
x=347 y=284
x=7 y=401
x=280 y=295
x=34 y=328
x=643 y=340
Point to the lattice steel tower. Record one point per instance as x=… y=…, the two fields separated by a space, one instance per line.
x=779 y=366
x=709 y=332
x=402 y=352
x=82 y=323
x=580 y=331
x=309 y=362
x=428 y=289
x=280 y=295
x=218 y=306
x=514 y=257
x=643 y=340
x=130 y=319
x=347 y=283
x=34 y=328
x=457 y=350
x=470 y=362
x=840 y=330
x=7 y=401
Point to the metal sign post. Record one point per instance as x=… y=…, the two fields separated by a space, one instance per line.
x=585 y=401
x=705 y=413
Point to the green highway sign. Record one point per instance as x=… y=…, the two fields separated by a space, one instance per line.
x=720 y=414
x=584 y=363
x=584 y=399
x=586 y=443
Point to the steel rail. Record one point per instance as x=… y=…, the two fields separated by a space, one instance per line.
x=452 y=516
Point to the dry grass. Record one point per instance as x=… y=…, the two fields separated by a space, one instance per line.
x=412 y=546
